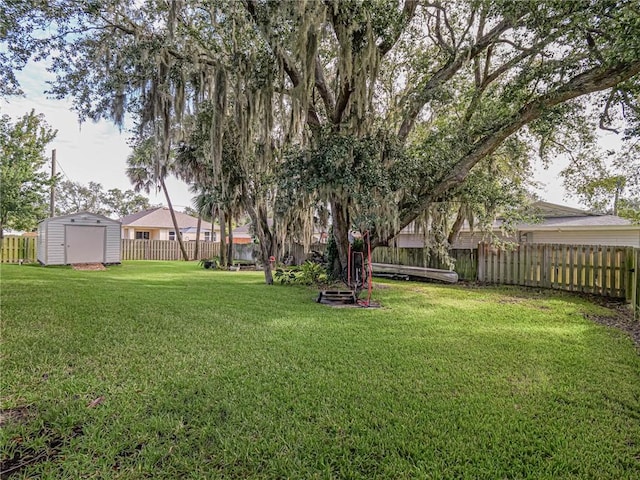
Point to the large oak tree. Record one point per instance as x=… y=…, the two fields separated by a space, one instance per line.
x=380 y=109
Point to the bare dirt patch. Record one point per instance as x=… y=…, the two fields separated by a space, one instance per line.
x=23 y=456
x=88 y=266
x=621 y=318
x=14 y=415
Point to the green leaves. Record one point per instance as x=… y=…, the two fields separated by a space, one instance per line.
x=72 y=197
x=385 y=106
x=23 y=196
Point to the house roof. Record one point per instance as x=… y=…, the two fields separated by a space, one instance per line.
x=553 y=210
x=245 y=230
x=580 y=223
x=159 y=217
x=242 y=231
x=554 y=217
x=587 y=222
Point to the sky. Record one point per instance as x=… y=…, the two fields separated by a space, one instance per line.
x=97 y=152
x=91 y=152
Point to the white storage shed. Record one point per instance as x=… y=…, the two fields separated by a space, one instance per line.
x=79 y=238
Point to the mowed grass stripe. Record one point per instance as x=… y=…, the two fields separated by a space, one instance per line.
x=216 y=375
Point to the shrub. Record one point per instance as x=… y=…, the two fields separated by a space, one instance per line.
x=286 y=276
x=309 y=273
x=212 y=263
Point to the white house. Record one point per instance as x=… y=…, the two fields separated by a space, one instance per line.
x=559 y=224
x=156 y=224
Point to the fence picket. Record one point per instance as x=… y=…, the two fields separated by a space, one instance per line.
x=165 y=250
x=613 y=268
x=18 y=248
x=635 y=284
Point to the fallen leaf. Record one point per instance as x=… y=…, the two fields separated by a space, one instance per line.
x=96 y=402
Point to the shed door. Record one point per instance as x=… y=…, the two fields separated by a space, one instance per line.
x=84 y=243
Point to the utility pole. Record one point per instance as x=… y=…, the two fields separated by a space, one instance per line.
x=52 y=194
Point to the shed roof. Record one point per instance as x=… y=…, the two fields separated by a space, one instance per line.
x=102 y=218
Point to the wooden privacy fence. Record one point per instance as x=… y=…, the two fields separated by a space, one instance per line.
x=596 y=269
x=166 y=250
x=17 y=248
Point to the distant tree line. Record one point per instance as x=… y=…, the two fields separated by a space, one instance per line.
x=72 y=197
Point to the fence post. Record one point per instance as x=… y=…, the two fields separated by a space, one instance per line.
x=628 y=273
x=481 y=259
x=635 y=290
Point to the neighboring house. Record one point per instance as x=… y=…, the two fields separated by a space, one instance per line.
x=189 y=233
x=242 y=234
x=559 y=224
x=156 y=224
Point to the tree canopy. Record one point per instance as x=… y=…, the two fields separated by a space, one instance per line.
x=607 y=181
x=384 y=110
x=24 y=185
x=72 y=197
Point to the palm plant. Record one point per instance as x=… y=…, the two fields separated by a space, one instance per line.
x=146 y=174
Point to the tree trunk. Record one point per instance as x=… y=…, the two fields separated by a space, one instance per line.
x=457 y=226
x=341 y=235
x=213 y=222
x=223 y=237
x=230 y=247
x=265 y=239
x=185 y=255
x=196 y=252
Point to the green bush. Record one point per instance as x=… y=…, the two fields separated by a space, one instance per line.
x=312 y=274
x=212 y=263
x=309 y=273
x=287 y=276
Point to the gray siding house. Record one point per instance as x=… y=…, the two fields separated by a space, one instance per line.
x=558 y=224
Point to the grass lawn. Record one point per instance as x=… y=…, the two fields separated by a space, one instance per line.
x=165 y=370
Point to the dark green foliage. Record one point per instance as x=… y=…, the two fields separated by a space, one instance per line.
x=309 y=273
x=286 y=275
x=72 y=197
x=367 y=169
x=24 y=182
x=212 y=263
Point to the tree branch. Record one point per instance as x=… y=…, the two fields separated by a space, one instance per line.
x=408 y=11
x=422 y=96
x=282 y=56
x=593 y=80
x=341 y=103
x=323 y=89
x=604 y=116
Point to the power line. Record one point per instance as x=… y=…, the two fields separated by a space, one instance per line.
x=62 y=170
